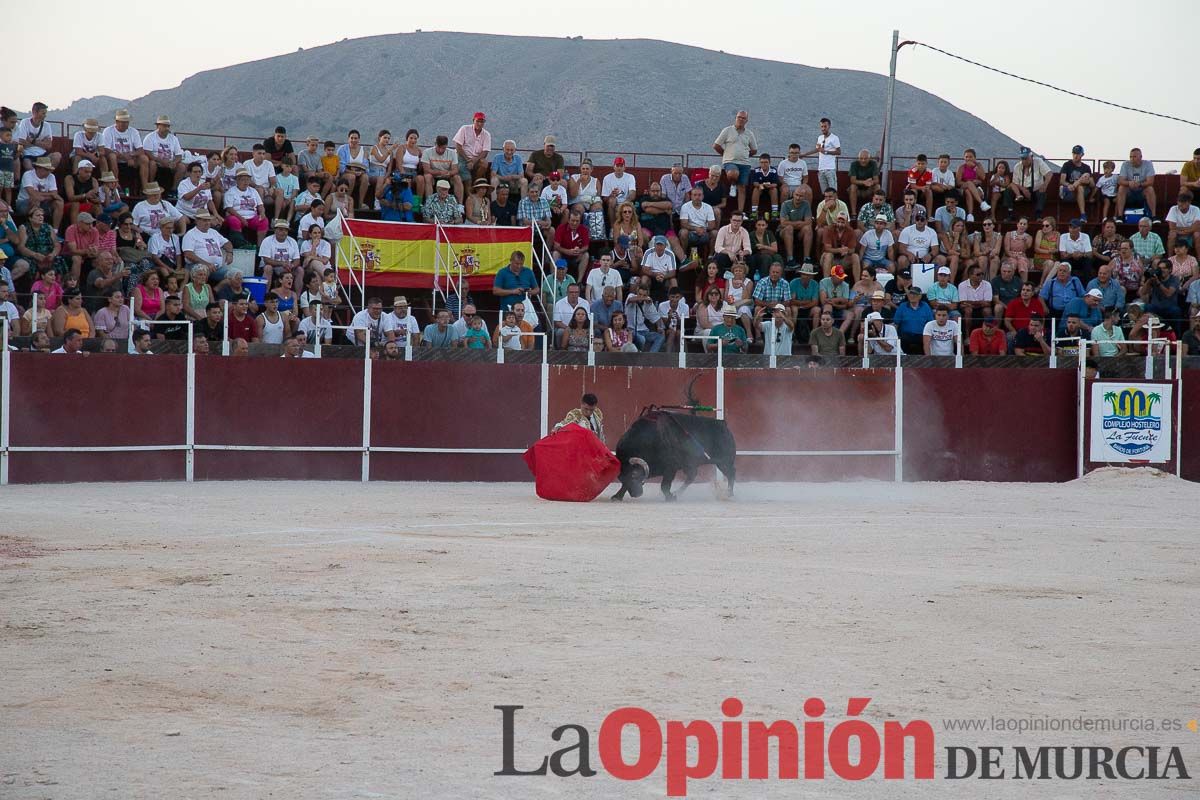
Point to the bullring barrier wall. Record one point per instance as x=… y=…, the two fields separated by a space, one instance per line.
x=125 y=418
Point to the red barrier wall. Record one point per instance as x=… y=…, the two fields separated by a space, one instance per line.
x=970 y=424
x=96 y=401
x=989 y=424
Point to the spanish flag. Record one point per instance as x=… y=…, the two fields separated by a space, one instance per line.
x=406 y=254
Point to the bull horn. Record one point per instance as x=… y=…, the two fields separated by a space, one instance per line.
x=640 y=464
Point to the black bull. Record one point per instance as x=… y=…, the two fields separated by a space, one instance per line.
x=664 y=443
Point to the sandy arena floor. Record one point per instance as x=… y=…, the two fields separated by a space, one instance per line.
x=302 y=640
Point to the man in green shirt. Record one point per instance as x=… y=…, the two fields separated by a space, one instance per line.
x=733 y=336
x=1107 y=337
x=864 y=178
x=806 y=300
x=827 y=340
x=796 y=222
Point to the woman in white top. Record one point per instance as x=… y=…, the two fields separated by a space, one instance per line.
x=380 y=162
x=315 y=252
x=708 y=315
x=585 y=189
x=406 y=159
x=195 y=194
x=225 y=177
x=354 y=166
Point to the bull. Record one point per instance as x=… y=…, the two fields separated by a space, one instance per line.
x=664 y=443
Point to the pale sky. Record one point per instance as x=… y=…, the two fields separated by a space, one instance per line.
x=1079 y=47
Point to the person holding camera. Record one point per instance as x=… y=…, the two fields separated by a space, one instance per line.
x=396 y=203
x=1160 y=292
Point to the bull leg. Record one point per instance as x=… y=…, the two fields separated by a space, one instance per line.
x=729 y=472
x=619 y=496
x=668 y=476
x=689 y=477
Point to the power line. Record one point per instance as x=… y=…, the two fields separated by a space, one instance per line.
x=1050 y=85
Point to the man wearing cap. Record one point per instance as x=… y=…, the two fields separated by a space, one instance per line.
x=164 y=156
x=919 y=244
x=910 y=319
x=278 y=254
x=82 y=190
x=1108 y=338
x=729 y=333
x=555 y=194
x=783 y=326
x=806 y=300
x=542 y=162
x=246 y=210
x=40 y=188
x=1135 y=186
x=555 y=284
x=149 y=212
x=835 y=298
x=1031 y=176
x=473 y=143
x=736 y=145
x=877 y=246
x=123 y=144
x=204 y=246
x=508 y=169
x=571 y=242
x=659 y=264
x=676 y=186
x=988 y=340
x=442 y=207
x=878 y=338
x=1076 y=181
x=617 y=187
x=399 y=325
x=82 y=242
x=1075 y=247
x=837 y=245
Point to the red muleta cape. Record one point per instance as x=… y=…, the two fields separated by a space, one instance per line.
x=571 y=465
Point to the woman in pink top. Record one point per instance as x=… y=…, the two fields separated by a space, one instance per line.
x=970 y=179
x=148 y=297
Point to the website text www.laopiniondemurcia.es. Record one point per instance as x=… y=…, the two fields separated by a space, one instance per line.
x=852 y=750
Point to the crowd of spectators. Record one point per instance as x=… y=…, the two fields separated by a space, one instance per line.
x=142 y=234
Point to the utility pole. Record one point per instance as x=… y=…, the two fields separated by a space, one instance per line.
x=884 y=166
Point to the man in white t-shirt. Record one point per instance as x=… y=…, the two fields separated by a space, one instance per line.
x=40 y=188
x=659 y=264
x=602 y=276
x=400 y=325
x=370 y=318
x=262 y=175
x=123 y=144
x=617 y=187
x=469 y=313
x=318 y=323
x=941 y=335
x=793 y=171
x=37 y=136
x=828 y=148
x=675 y=312
x=164 y=156
x=697 y=221
x=1183 y=220
x=204 y=246
x=149 y=212
x=88 y=144
x=563 y=311
x=279 y=254
x=919 y=247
